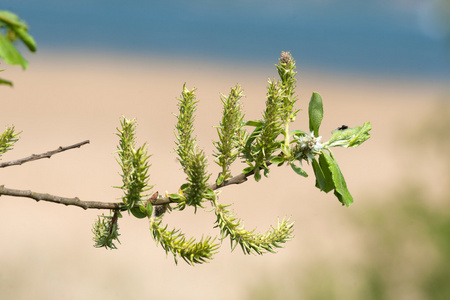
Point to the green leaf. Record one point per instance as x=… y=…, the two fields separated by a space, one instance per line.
x=298 y=170
x=177 y=197
x=253 y=136
x=210 y=194
x=7 y=82
x=149 y=209
x=351 y=137
x=340 y=191
x=220 y=179
x=184 y=186
x=277 y=160
x=248 y=170
x=323 y=175
x=321 y=181
x=19 y=27
x=11 y=19
x=257 y=174
x=254 y=123
x=315 y=113
x=26 y=38
x=139 y=212
x=10 y=54
x=286 y=150
x=298 y=132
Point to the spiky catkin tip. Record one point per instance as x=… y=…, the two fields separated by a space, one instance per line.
x=285 y=57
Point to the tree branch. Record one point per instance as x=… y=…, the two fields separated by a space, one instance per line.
x=238 y=179
x=60 y=200
x=47 y=154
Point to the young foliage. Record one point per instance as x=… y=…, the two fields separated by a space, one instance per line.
x=315 y=113
x=262 y=148
x=269 y=142
x=106 y=231
x=12 y=29
x=258 y=149
x=185 y=126
x=287 y=70
x=196 y=187
x=7 y=139
x=175 y=242
x=230 y=133
x=262 y=143
x=134 y=164
x=329 y=177
x=349 y=137
x=248 y=240
x=328 y=174
x=192 y=159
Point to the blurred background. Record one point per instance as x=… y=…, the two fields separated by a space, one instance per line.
x=387 y=62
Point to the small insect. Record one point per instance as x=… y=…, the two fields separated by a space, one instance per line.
x=160 y=209
x=343 y=127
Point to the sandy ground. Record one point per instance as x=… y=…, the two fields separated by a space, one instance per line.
x=46 y=249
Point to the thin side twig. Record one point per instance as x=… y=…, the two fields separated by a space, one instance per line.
x=238 y=179
x=47 y=154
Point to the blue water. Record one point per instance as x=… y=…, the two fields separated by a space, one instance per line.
x=372 y=36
